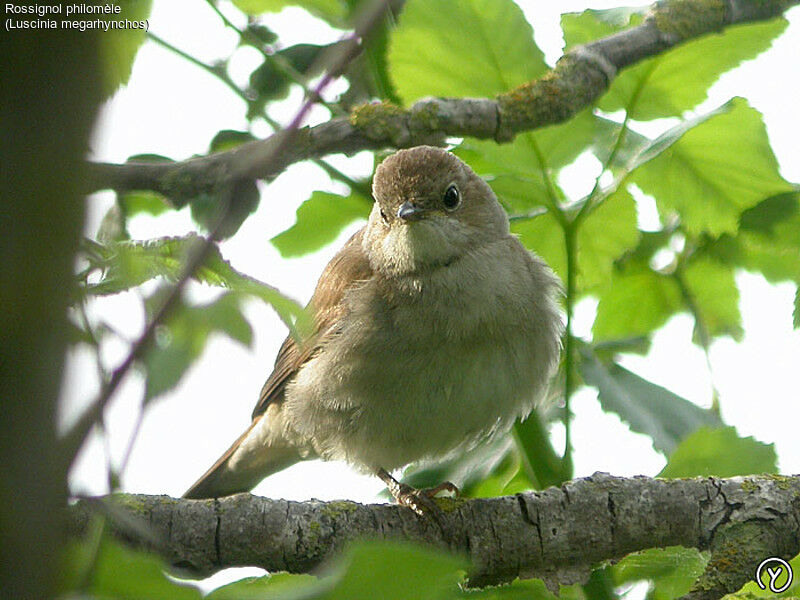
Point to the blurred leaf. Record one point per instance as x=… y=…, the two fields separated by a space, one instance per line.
x=608 y=232
x=320 y=220
x=181 y=338
x=130 y=263
x=646 y=407
x=516 y=171
x=118 y=46
x=393 y=571
x=712 y=290
x=469 y=470
x=260 y=32
x=269 y=587
x=711 y=172
x=123 y=574
x=332 y=11
x=677 y=80
x=227 y=139
x=234 y=204
x=143 y=202
x=533 y=441
x=113 y=227
x=720 y=453
x=471 y=48
x=671 y=570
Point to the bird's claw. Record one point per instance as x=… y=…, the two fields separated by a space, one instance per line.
x=420 y=501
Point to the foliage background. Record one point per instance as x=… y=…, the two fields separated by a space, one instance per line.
x=653 y=275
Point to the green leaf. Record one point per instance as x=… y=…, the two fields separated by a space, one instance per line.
x=675 y=81
x=181 y=338
x=332 y=11
x=494 y=461
x=636 y=301
x=720 y=453
x=671 y=570
x=517 y=171
x=143 y=202
x=128 y=264
x=226 y=139
x=395 y=570
x=710 y=173
x=276 y=585
x=608 y=232
x=646 y=407
x=234 y=204
x=123 y=574
x=766 y=241
x=119 y=45
x=468 y=48
x=712 y=291
x=320 y=220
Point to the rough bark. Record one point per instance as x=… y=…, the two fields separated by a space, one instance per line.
x=558 y=534
x=580 y=77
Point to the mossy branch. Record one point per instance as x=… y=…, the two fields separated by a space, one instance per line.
x=580 y=77
x=558 y=534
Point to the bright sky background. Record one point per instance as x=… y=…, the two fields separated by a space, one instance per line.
x=171 y=107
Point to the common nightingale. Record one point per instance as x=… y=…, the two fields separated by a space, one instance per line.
x=434 y=328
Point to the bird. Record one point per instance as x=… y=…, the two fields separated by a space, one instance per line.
x=434 y=329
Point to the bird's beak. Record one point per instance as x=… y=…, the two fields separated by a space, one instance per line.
x=409 y=211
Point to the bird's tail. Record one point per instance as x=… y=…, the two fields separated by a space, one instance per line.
x=249 y=460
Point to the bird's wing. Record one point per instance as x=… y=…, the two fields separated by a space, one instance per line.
x=349 y=267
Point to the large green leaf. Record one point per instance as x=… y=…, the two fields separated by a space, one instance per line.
x=127 y=264
x=462 y=48
x=710 y=173
x=720 y=453
x=182 y=337
x=675 y=81
x=671 y=570
x=320 y=219
x=646 y=407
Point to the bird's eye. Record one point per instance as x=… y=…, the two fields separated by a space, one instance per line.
x=384 y=217
x=451 y=197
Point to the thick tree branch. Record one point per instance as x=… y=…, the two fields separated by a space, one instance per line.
x=580 y=77
x=558 y=534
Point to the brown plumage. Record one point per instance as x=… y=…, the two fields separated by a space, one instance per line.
x=433 y=328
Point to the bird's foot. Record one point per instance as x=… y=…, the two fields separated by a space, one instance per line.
x=420 y=501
